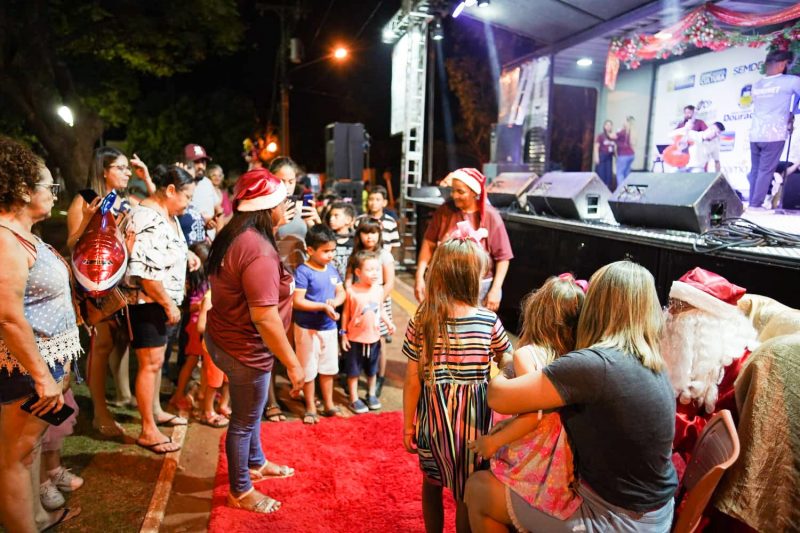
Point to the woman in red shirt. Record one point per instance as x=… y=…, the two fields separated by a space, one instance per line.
x=251 y=295
x=468 y=202
x=605 y=148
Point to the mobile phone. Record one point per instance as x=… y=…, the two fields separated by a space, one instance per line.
x=54 y=419
x=308 y=200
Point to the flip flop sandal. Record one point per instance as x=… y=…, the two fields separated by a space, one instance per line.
x=257 y=474
x=265 y=505
x=173 y=422
x=333 y=411
x=214 y=421
x=274 y=414
x=310 y=418
x=152 y=447
x=66 y=514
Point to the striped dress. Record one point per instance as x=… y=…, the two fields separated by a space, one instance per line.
x=452 y=408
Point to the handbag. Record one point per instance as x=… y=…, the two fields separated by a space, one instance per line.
x=95 y=310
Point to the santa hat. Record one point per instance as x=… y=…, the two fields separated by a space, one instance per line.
x=472 y=178
x=707 y=291
x=258 y=189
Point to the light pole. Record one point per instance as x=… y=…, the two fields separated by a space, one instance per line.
x=340 y=53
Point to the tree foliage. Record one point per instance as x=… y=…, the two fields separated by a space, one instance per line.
x=89 y=55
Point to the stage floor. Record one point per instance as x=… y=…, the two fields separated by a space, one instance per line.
x=780 y=219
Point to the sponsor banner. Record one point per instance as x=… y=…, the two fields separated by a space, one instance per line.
x=719 y=85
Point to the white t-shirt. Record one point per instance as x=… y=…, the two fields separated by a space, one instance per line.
x=204 y=200
x=772 y=97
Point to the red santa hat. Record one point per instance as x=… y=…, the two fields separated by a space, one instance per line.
x=475 y=181
x=258 y=189
x=707 y=291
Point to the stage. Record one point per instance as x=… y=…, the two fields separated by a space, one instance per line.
x=544 y=246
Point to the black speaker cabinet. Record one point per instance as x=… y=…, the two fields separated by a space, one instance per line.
x=576 y=195
x=508 y=187
x=345 y=146
x=506 y=144
x=791 y=192
x=680 y=201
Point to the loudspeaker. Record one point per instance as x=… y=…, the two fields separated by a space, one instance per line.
x=680 y=201
x=509 y=187
x=345 y=147
x=791 y=192
x=351 y=192
x=576 y=195
x=506 y=144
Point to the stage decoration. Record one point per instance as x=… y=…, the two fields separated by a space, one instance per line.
x=100 y=256
x=699 y=28
x=264 y=148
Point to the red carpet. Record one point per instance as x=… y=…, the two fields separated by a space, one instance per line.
x=351 y=475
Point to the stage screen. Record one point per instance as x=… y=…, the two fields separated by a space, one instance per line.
x=718 y=84
x=399 y=63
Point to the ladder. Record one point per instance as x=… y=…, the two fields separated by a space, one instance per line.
x=413 y=135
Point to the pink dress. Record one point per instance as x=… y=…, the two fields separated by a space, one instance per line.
x=538 y=467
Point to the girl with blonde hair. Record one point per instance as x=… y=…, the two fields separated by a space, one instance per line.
x=618 y=410
x=449 y=344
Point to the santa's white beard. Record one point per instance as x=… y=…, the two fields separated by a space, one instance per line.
x=697 y=346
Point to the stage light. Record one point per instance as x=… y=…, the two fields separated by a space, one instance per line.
x=340 y=52
x=66 y=115
x=470 y=3
x=663 y=35
x=483 y=3
x=459 y=8
x=437 y=32
x=272 y=147
x=584 y=62
x=389 y=36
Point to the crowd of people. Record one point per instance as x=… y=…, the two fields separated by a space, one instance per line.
x=602 y=400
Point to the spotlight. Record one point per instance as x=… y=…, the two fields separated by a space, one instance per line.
x=459 y=8
x=483 y=3
x=470 y=3
x=584 y=62
x=389 y=36
x=663 y=35
x=272 y=147
x=437 y=32
x=340 y=53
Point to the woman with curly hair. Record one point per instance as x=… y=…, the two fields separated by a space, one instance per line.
x=38 y=333
x=110 y=171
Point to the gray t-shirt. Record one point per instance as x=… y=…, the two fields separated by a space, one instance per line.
x=772 y=97
x=620 y=419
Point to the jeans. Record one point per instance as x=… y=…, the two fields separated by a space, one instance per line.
x=764 y=158
x=605 y=169
x=248 y=388
x=624 y=163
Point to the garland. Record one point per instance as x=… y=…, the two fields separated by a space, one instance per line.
x=698 y=29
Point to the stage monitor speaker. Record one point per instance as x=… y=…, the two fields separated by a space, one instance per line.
x=509 y=187
x=345 y=146
x=679 y=201
x=576 y=195
x=791 y=192
x=506 y=144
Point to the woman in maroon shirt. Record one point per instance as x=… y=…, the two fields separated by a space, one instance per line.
x=251 y=293
x=468 y=202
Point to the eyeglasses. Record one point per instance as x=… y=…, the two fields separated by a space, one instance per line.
x=122 y=168
x=54 y=187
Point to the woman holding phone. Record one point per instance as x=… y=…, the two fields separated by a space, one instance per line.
x=38 y=334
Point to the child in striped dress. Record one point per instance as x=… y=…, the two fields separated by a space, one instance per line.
x=444 y=396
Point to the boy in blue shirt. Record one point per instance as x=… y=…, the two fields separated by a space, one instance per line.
x=318 y=292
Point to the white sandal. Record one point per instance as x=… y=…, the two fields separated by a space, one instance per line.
x=257 y=474
x=265 y=505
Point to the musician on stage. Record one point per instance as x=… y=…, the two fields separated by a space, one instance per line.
x=695 y=124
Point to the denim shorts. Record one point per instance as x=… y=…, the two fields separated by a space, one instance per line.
x=15 y=385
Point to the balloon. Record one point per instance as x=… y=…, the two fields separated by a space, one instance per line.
x=100 y=256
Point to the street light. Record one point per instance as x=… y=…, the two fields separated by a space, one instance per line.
x=340 y=53
x=66 y=115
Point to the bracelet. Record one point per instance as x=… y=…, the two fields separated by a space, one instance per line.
x=342 y=332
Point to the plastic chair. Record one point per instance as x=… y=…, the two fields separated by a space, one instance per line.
x=716 y=450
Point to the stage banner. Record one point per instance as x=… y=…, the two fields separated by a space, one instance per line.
x=719 y=85
x=399 y=74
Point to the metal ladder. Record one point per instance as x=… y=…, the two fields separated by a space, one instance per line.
x=413 y=135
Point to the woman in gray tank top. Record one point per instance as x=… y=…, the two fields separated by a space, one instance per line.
x=38 y=332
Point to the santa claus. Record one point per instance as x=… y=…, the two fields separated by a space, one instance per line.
x=705 y=343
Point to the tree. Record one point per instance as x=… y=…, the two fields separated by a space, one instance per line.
x=88 y=55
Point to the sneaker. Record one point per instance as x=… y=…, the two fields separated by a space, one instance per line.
x=379 y=381
x=51 y=498
x=359 y=407
x=373 y=403
x=65 y=480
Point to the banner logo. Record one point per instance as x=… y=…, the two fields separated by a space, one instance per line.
x=750 y=67
x=684 y=82
x=739 y=115
x=746 y=96
x=713 y=76
x=727 y=139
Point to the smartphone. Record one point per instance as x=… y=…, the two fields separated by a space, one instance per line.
x=308 y=200
x=54 y=419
